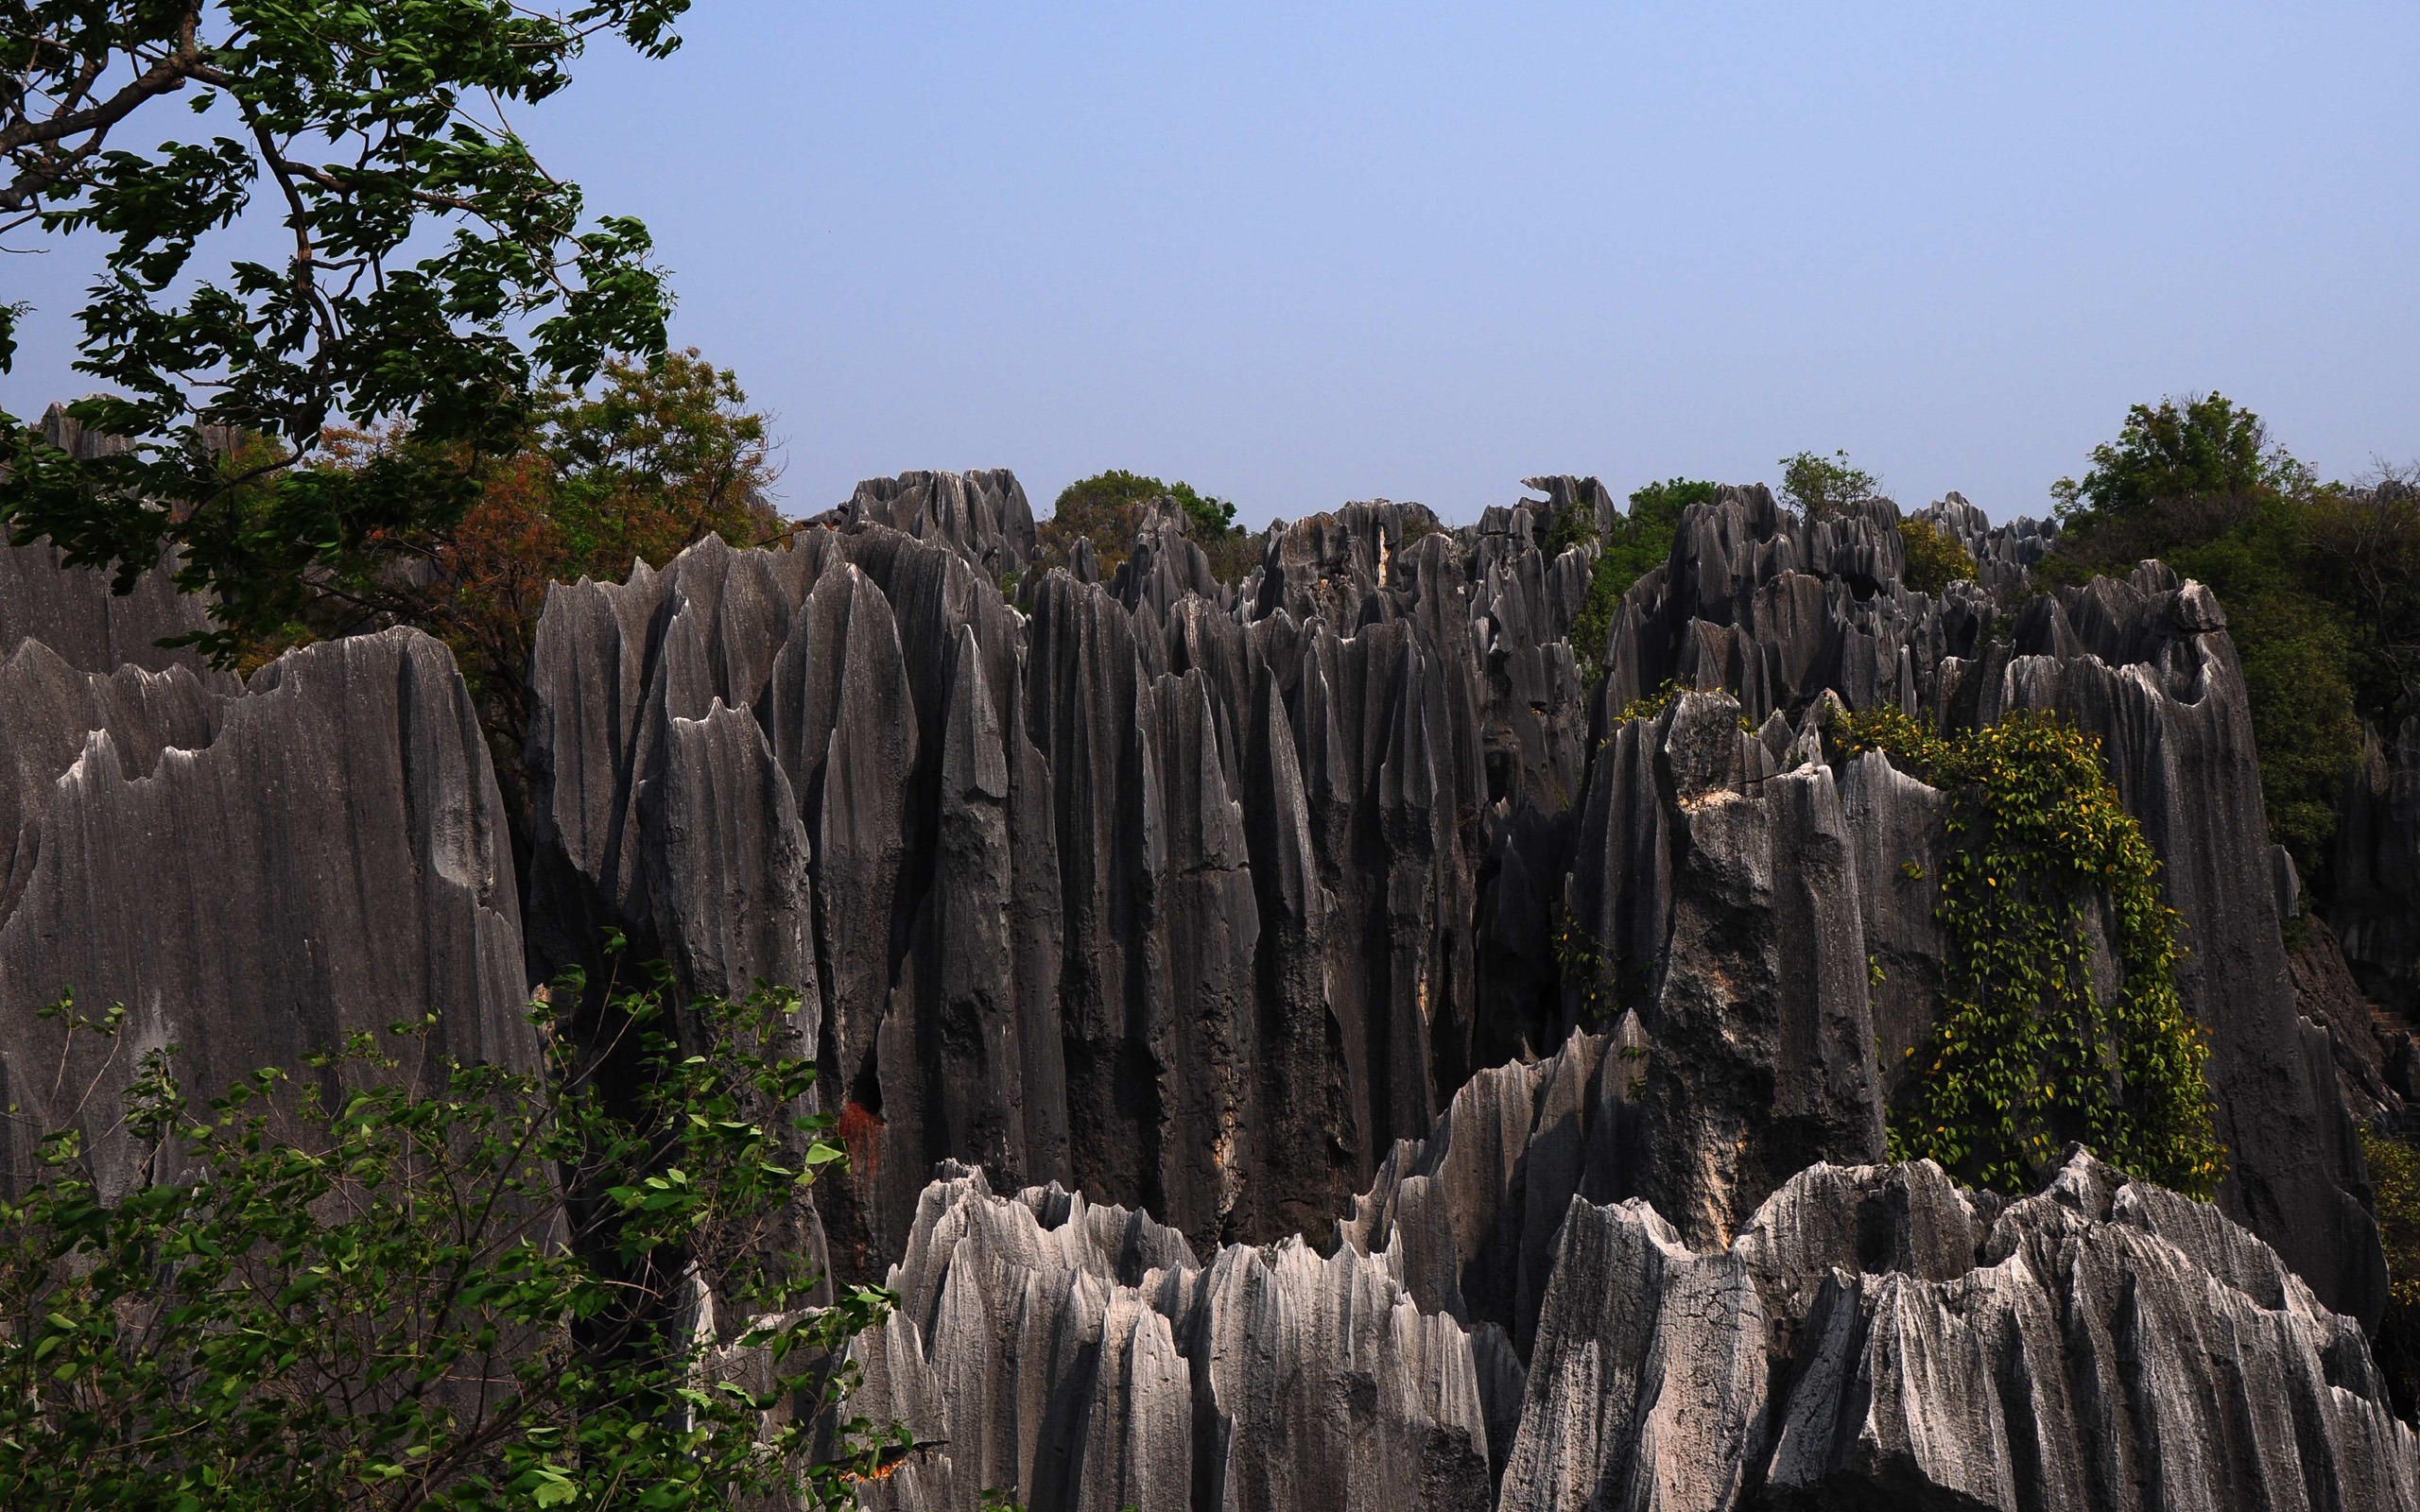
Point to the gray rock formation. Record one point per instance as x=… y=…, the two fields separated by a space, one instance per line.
x=1079 y=1357
x=72 y=610
x=1202 y=897
x=253 y=875
x=982 y=515
x=1875 y=1337
x=1224 y=902
x=2147 y=667
x=2376 y=906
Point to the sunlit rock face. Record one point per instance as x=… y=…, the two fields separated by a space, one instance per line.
x=1875 y=1336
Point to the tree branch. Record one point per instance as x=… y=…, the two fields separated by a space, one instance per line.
x=166 y=76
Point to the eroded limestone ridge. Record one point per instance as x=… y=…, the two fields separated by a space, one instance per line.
x=1200 y=897
x=1874 y=1336
x=254 y=870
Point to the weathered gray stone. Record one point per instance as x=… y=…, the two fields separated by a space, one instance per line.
x=255 y=877
x=1277 y=869
x=2109 y=1345
x=981 y=515
x=1076 y=1356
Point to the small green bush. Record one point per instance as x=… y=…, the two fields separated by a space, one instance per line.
x=2395 y=1186
x=1935 y=558
x=1819 y=486
x=460 y=1290
x=1108 y=506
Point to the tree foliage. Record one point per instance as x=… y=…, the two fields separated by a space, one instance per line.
x=2394 y=1160
x=1107 y=508
x=1934 y=558
x=435 y=276
x=659 y=456
x=2320 y=585
x=2197 y=464
x=2030 y=1052
x=1640 y=542
x=395 y=1281
x=1819 y=486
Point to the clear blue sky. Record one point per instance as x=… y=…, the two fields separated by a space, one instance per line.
x=1299 y=255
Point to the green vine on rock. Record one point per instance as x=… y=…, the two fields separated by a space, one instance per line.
x=2025 y=1055
x=1577 y=956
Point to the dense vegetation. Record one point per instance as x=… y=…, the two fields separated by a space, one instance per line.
x=1933 y=558
x=448 y=1286
x=2320 y=585
x=2029 y=1052
x=653 y=459
x=2394 y=1182
x=1817 y=486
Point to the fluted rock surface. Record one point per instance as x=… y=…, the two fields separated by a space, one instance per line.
x=72 y=610
x=253 y=875
x=1079 y=1357
x=1875 y=1337
x=1135 y=887
x=1782 y=613
x=1202 y=897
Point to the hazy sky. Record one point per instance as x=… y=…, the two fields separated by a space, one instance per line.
x=1300 y=255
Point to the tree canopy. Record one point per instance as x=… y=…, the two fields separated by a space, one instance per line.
x=1107 y=507
x=1638 y=544
x=1819 y=486
x=434 y=275
x=2321 y=584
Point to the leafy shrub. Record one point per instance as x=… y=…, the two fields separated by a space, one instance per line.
x=453 y=1286
x=2364 y=555
x=2200 y=463
x=2024 y=1057
x=1640 y=543
x=1107 y=508
x=659 y=456
x=1935 y=558
x=2395 y=1185
x=1819 y=486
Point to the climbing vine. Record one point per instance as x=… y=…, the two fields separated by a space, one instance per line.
x=1577 y=957
x=2024 y=1055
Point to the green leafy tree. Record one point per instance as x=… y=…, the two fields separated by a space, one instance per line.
x=2198 y=483
x=435 y=275
x=2190 y=465
x=2365 y=554
x=407 y=1283
x=2394 y=1160
x=1107 y=507
x=655 y=458
x=2026 y=1053
x=1934 y=558
x=1817 y=486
